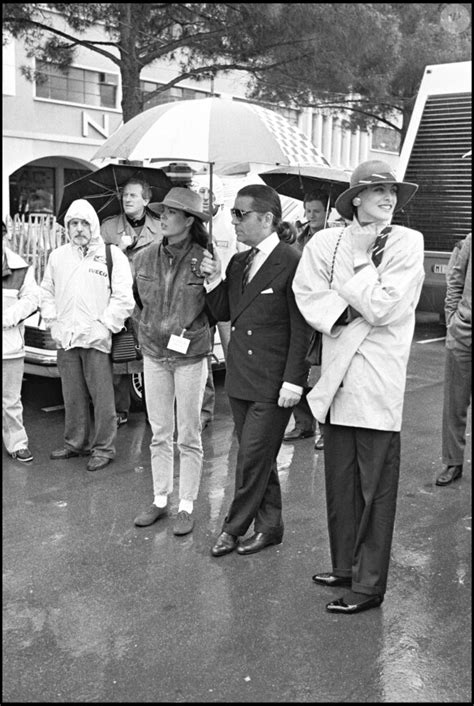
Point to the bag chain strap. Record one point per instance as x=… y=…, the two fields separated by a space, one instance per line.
x=334 y=256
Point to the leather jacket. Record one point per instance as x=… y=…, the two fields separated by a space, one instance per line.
x=170 y=295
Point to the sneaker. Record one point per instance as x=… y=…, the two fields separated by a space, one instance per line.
x=319 y=443
x=184 y=523
x=23 y=455
x=122 y=418
x=150 y=515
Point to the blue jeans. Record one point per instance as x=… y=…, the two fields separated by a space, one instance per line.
x=166 y=383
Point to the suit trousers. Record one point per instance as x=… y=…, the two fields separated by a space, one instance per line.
x=457 y=397
x=260 y=427
x=362 y=471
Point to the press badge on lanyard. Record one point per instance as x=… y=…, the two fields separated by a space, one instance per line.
x=179 y=343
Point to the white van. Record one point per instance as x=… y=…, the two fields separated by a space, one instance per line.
x=436 y=155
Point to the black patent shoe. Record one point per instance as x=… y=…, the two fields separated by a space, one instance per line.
x=257 y=542
x=341 y=605
x=328 y=579
x=226 y=543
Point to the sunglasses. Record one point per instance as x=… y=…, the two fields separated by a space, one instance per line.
x=239 y=214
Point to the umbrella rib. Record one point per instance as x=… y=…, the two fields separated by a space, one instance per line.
x=109 y=200
x=107 y=189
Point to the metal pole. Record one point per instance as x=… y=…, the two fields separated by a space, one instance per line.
x=210 y=206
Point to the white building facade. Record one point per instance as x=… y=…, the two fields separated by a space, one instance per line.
x=52 y=129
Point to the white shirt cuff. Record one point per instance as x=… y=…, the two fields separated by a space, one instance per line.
x=293 y=388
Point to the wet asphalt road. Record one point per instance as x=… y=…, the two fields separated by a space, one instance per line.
x=97 y=610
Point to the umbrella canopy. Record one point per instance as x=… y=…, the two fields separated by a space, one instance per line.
x=214 y=130
x=297 y=181
x=103 y=188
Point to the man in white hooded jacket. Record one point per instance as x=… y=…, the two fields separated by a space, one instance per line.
x=82 y=309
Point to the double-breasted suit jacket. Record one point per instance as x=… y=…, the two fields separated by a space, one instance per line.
x=269 y=336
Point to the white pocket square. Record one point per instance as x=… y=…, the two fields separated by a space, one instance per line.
x=267 y=291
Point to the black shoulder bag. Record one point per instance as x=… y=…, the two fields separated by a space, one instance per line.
x=125 y=346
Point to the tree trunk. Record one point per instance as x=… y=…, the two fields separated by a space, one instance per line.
x=131 y=94
x=130 y=66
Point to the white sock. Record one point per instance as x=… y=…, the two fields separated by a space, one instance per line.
x=186 y=506
x=160 y=500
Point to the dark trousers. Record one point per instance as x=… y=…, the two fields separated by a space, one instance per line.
x=86 y=374
x=456 y=401
x=209 y=399
x=122 y=392
x=362 y=470
x=303 y=415
x=260 y=427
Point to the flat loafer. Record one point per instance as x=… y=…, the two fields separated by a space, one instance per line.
x=451 y=474
x=340 y=605
x=257 y=542
x=95 y=463
x=295 y=434
x=329 y=579
x=60 y=454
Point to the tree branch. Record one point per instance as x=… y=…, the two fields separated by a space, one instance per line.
x=72 y=40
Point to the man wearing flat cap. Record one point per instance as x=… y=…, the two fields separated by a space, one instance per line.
x=359 y=285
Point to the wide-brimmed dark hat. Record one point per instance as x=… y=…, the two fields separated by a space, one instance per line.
x=368 y=174
x=183 y=199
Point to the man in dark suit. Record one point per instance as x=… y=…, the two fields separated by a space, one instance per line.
x=266 y=370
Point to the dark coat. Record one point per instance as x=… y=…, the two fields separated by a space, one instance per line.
x=269 y=337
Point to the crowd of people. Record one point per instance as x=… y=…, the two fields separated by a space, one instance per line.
x=267 y=287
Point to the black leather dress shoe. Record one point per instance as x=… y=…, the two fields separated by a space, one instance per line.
x=341 y=606
x=257 y=542
x=226 y=543
x=66 y=453
x=331 y=580
x=296 y=433
x=451 y=474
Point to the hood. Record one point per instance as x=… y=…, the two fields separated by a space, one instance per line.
x=83 y=210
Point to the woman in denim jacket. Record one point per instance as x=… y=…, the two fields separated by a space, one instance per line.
x=175 y=339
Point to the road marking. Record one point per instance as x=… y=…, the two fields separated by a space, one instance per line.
x=52 y=409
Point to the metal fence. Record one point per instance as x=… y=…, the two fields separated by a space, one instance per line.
x=34 y=236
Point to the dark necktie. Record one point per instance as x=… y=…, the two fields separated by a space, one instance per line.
x=379 y=245
x=248 y=264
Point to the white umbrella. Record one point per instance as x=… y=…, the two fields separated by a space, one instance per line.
x=213 y=130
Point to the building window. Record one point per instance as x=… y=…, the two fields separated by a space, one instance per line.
x=384 y=139
x=76 y=86
x=32 y=190
x=170 y=95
